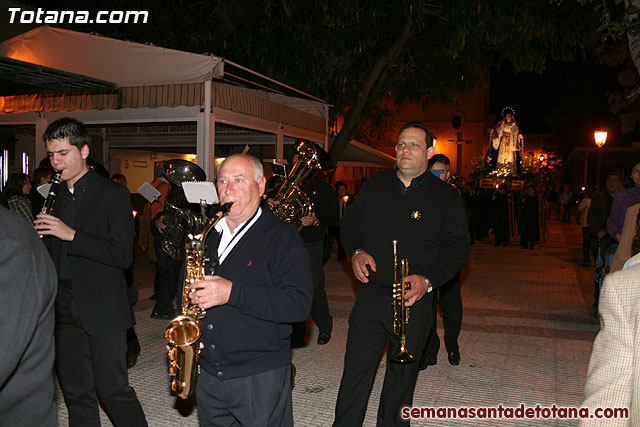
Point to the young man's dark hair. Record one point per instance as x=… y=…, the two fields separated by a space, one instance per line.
x=340 y=184
x=68 y=127
x=440 y=158
x=428 y=135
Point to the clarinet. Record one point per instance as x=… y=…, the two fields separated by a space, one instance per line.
x=53 y=192
x=47 y=208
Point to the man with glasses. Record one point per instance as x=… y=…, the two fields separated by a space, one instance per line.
x=426 y=216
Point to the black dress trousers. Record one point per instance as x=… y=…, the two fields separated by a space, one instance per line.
x=91 y=368
x=370 y=328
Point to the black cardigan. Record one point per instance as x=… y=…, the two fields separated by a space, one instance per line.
x=272 y=287
x=428 y=221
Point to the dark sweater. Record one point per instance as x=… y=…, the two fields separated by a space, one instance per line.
x=427 y=219
x=272 y=287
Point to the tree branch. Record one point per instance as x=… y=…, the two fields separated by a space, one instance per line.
x=375 y=80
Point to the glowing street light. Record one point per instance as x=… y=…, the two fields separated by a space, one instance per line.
x=600 y=138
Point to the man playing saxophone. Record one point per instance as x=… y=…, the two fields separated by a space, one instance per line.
x=257 y=283
x=426 y=217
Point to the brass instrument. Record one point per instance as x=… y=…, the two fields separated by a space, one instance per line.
x=291 y=202
x=400 y=310
x=183 y=332
x=177 y=217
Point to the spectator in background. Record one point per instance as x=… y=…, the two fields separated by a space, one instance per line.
x=587 y=241
x=15 y=191
x=630 y=229
x=344 y=200
x=552 y=200
x=529 y=220
x=41 y=175
x=599 y=211
x=500 y=216
x=624 y=198
x=28 y=284
x=565 y=202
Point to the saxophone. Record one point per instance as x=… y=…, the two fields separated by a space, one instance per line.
x=183 y=332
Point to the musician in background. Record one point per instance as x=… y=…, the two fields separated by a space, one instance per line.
x=447 y=297
x=90 y=238
x=28 y=287
x=426 y=216
x=260 y=284
x=313 y=232
x=324 y=216
x=167 y=279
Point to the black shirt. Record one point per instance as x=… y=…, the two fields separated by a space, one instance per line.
x=68 y=205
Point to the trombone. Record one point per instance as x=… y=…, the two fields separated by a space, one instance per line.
x=400 y=310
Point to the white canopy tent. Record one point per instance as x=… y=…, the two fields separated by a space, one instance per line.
x=157 y=85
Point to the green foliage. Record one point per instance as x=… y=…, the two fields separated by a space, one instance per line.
x=378 y=126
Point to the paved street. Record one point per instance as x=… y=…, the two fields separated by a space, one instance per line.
x=526 y=338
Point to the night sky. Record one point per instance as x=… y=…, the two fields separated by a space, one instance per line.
x=565 y=95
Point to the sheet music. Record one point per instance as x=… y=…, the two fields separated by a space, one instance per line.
x=44 y=189
x=149 y=192
x=200 y=191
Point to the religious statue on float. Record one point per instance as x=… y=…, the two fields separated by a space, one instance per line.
x=506 y=144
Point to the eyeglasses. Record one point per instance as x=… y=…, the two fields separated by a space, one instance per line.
x=411 y=145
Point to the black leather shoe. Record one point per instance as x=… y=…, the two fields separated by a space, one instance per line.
x=425 y=363
x=132 y=360
x=324 y=338
x=454 y=358
x=161 y=316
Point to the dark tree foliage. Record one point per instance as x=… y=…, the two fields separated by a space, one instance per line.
x=353 y=52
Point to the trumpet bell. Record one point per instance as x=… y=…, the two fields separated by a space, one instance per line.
x=402 y=356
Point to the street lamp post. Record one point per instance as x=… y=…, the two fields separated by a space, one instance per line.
x=601 y=138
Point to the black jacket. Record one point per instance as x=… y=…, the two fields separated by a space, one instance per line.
x=272 y=287
x=428 y=221
x=325 y=206
x=28 y=285
x=99 y=254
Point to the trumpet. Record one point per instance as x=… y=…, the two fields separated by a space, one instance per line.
x=400 y=310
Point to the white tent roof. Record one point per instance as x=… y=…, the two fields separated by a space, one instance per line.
x=121 y=62
x=362 y=155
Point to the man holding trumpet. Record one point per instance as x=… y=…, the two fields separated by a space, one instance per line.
x=426 y=216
